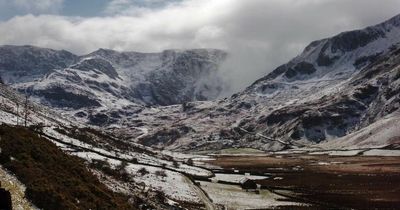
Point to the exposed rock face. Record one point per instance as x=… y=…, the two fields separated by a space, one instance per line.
x=59 y=97
x=300 y=69
x=97 y=64
x=349 y=41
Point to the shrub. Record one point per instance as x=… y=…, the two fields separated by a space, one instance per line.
x=143 y=171
x=161 y=173
x=175 y=164
x=119 y=173
x=190 y=161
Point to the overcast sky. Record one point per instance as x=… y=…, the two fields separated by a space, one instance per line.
x=259 y=34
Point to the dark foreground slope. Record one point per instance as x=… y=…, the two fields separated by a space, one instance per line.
x=54 y=180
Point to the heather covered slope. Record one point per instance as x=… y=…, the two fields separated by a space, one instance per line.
x=53 y=179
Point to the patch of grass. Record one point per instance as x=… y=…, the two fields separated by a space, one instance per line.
x=53 y=179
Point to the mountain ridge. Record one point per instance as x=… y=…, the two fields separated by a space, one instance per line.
x=333 y=88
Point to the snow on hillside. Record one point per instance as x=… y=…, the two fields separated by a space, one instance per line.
x=162 y=173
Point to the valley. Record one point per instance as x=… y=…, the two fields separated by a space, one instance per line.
x=128 y=130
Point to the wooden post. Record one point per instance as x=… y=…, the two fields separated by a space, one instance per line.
x=17 y=113
x=26 y=110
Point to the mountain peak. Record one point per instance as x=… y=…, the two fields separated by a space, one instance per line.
x=340 y=55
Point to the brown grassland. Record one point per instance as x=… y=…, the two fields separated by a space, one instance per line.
x=325 y=182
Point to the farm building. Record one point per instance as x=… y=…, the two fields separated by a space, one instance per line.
x=248 y=184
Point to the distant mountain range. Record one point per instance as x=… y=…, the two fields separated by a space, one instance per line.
x=165 y=78
x=337 y=87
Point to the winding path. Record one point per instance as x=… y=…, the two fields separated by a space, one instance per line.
x=206 y=200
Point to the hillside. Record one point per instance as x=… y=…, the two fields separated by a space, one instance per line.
x=134 y=175
x=53 y=179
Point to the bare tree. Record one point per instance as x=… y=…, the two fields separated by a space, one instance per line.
x=17 y=113
x=26 y=109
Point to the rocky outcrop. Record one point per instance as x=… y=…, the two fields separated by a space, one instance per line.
x=97 y=64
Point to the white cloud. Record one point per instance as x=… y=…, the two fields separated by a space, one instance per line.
x=259 y=34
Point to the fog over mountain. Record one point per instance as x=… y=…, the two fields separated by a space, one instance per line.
x=259 y=35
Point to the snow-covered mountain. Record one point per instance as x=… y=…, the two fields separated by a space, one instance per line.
x=117 y=83
x=169 y=77
x=334 y=88
x=338 y=57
